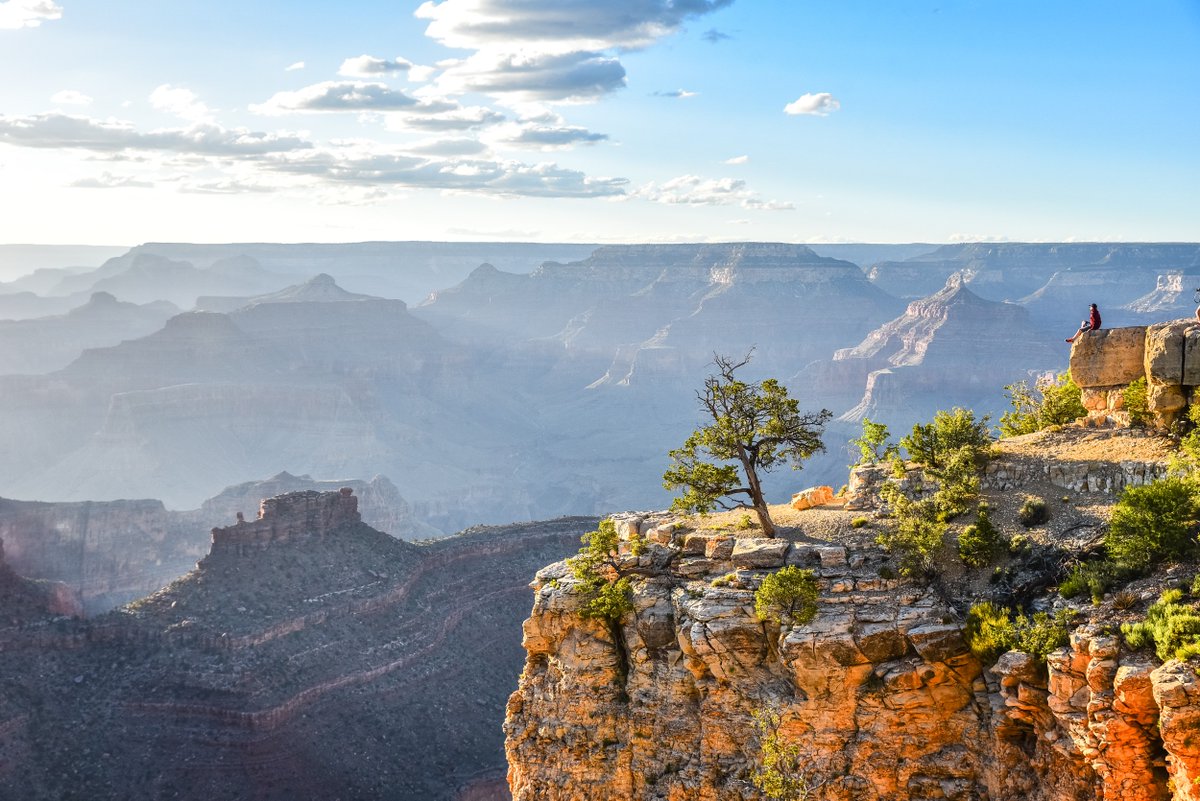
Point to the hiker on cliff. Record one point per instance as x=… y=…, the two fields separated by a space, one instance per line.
x=1090 y=324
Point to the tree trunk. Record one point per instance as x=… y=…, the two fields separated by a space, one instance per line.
x=764 y=519
x=756 y=497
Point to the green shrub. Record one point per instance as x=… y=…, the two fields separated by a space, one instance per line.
x=859 y=522
x=1136 y=402
x=916 y=538
x=1153 y=523
x=1092 y=579
x=931 y=443
x=607 y=595
x=744 y=523
x=1171 y=627
x=979 y=542
x=1033 y=512
x=873 y=445
x=1125 y=599
x=991 y=630
x=783 y=772
x=1056 y=403
x=899 y=469
x=787 y=595
x=1019 y=543
x=725 y=580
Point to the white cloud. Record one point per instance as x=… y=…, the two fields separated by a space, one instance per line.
x=342 y=96
x=106 y=180
x=551 y=134
x=365 y=66
x=558 y=26
x=180 y=102
x=736 y=160
x=529 y=76
x=463 y=118
x=28 y=13
x=820 y=104
x=692 y=190
x=299 y=65
x=681 y=94
x=70 y=97
x=115 y=136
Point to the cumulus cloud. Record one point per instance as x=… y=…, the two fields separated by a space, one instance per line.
x=692 y=190
x=28 y=13
x=447 y=146
x=681 y=94
x=180 y=102
x=365 y=66
x=531 y=77
x=70 y=97
x=106 y=180
x=737 y=160
x=114 y=136
x=819 y=104
x=342 y=96
x=554 y=136
x=558 y=25
x=299 y=65
x=463 y=118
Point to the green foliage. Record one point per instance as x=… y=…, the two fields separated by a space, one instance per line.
x=958 y=483
x=1093 y=579
x=992 y=630
x=787 y=595
x=980 y=542
x=1171 y=627
x=1137 y=402
x=783 y=774
x=873 y=445
x=744 y=523
x=1153 y=523
x=1033 y=512
x=754 y=427
x=1186 y=460
x=932 y=443
x=608 y=596
x=1052 y=402
x=859 y=522
x=916 y=537
x=725 y=580
x=899 y=469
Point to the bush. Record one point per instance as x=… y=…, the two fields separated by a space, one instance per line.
x=991 y=630
x=859 y=522
x=1033 y=512
x=931 y=443
x=873 y=445
x=1136 y=402
x=979 y=543
x=607 y=595
x=787 y=595
x=1055 y=403
x=1171 y=627
x=916 y=538
x=1093 y=579
x=1153 y=523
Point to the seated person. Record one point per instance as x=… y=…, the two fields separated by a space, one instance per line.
x=1090 y=324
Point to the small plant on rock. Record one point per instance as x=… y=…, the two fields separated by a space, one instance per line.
x=788 y=595
x=783 y=774
x=1171 y=627
x=1154 y=523
x=874 y=445
x=1033 y=512
x=980 y=542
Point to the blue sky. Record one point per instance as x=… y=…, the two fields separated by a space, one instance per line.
x=624 y=120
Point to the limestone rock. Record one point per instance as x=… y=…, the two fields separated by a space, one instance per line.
x=1172 y=353
x=759 y=552
x=813 y=496
x=1108 y=357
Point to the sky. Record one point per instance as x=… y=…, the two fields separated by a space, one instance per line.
x=617 y=121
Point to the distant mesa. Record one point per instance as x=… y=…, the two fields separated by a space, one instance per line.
x=309 y=514
x=321 y=288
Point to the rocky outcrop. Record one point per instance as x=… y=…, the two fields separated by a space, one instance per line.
x=878 y=694
x=881 y=694
x=298 y=670
x=1166 y=354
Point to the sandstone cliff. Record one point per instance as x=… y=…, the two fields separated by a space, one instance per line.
x=879 y=692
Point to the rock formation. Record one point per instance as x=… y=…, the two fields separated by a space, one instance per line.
x=307 y=656
x=1167 y=355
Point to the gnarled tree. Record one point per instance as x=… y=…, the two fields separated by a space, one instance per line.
x=754 y=427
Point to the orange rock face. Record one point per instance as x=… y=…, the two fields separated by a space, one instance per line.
x=879 y=693
x=813 y=496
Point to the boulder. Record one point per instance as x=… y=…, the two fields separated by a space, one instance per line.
x=759 y=552
x=813 y=496
x=1108 y=357
x=1172 y=353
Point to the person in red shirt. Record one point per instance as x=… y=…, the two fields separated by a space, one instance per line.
x=1090 y=324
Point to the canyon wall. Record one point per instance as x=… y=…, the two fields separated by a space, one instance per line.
x=879 y=692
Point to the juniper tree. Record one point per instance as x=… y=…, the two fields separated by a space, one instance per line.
x=752 y=428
